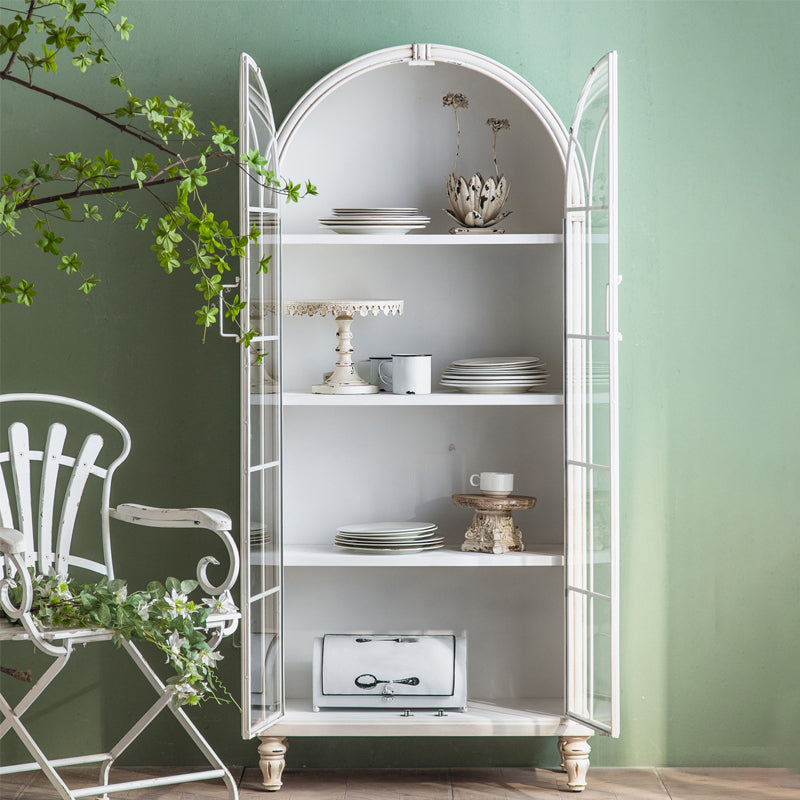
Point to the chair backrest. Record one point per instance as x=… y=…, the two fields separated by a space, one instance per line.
x=47 y=508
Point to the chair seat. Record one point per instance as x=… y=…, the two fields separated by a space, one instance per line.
x=11 y=632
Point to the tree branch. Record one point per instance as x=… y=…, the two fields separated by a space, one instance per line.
x=118 y=189
x=126 y=129
x=11 y=60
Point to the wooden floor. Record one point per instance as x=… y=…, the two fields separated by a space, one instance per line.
x=443 y=784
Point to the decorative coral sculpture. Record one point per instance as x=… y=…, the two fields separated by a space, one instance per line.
x=476 y=202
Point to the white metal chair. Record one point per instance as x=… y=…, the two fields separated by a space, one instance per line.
x=41 y=536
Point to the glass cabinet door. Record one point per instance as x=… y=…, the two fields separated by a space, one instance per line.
x=592 y=506
x=261 y=423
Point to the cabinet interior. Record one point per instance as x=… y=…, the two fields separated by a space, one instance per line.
x=385 y=139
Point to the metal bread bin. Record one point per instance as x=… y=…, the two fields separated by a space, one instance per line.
x=390 y=670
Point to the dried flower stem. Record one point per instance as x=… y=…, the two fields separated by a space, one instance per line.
x=456 y=100
x=497 y=125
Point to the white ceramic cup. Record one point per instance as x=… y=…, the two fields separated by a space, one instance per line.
x=494 y=484
x=409 y=373
x=372 y=374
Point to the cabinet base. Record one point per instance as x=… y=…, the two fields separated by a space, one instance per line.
x=272 y=760
x=575 y=760
x=574 y=751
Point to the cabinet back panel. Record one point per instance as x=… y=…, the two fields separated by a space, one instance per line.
x=362 y=151
x=513 y=617
x=357 y=464
x=460 y=302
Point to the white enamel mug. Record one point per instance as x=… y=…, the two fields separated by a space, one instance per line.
x=494 y=484
x=372 y=374
x=409 y=373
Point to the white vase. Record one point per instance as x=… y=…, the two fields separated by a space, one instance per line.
x=475 y=202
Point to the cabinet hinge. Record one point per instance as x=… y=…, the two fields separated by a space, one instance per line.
x=421 y=56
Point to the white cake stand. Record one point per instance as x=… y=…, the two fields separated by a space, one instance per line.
x=344 y=379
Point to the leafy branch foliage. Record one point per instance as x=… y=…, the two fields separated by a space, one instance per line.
x=51 y=194
x=162 y=614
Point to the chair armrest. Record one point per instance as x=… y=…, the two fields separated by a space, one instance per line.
x=210 y=518
x=11 y=541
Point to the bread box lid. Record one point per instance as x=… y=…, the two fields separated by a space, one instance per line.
x=376 y=664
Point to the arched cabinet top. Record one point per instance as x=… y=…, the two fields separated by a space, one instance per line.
x=373 y=132
x=424 y=55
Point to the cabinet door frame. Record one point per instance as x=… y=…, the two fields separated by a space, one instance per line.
x=259 y=288
x=591 y=407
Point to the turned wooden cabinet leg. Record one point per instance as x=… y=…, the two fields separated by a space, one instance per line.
x=272 y=760
x=575 y=760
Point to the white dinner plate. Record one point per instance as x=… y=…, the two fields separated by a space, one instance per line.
x=390 y=539
x=498 y=361
x=386 y=527
x=372 y=221
x=490 y=389
x=499 y=382
x=373 y=229
x=390 y=535
x=392 y=552
x=521 y=370
x=425 y=542
x=377 y=210
x=534 y=376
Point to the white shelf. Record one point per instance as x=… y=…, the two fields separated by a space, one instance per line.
x=412 y=239
x=433 y=399
x=518 y=717
x=322 y=555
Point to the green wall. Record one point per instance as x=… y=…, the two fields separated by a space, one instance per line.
x=710 y=391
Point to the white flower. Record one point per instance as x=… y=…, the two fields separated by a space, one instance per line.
x=221 y=605
x=189 y=693
x=143 y=609
x=208 y=658
x=177 y=603
x=61 y=592
x=174 y=645
x=121 y=594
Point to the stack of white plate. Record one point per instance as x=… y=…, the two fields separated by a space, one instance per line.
x=498 y=375
x=259 y=535
x=389 y=538
x=375 y=220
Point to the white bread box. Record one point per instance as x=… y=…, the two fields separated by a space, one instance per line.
x=391 y=671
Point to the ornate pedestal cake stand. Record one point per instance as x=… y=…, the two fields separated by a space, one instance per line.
x=344 y=379
x=493 y=529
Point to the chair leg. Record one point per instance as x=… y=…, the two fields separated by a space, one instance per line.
x=181 y=716
x=13 y=722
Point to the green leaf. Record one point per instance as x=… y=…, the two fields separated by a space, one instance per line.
x=172 y=585
x=263 y=265
x=25 y=293
x=91 y=212
x=124 y=28
x=89 y=284
x=82 y=62
x=188 y=586
x=104 y=615
x=70 y=264
x=206 y=316
x=49 y=242
x=64 y=208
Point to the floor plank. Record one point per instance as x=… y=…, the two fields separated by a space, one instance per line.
x=507 y=783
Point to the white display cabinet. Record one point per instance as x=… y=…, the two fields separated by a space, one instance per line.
x=541 y=625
